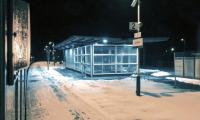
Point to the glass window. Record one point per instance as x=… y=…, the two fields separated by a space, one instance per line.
x=76 y=59
x=88 y=59
x=88 y=69
x=104 y=50
x=76 y=51
x=108 y=59
x=98 y=60
x=83 y=50
x=79 y=51
x=132 y=68
x=98 y=69
x=88 y=50
x=108 y=69
x=79 y=59
x=126 y=50
x=126 y=68
x=133 y=59
x=122 y=59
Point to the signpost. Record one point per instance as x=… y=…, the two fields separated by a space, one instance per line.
x=138 y=42
x=138 y=35
x=135 y=25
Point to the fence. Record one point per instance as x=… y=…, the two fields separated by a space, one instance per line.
x=187 y=65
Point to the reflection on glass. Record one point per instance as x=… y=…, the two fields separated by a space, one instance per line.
x=104 y=50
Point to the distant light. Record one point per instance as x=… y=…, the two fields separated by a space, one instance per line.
x=172 y=49
x=105 y=41
x=182 y=40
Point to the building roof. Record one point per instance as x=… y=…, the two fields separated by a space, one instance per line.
x=77 y=41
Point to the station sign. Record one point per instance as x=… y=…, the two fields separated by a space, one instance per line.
x=138 y=35
x=138 y=42
x=135 y=25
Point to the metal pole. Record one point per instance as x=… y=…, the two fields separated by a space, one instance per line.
x=174 y=70
x=21 y=97
x=25 y=93
x=138 y=57
x=16 y=100
x=2 y=62
x=54 y=62
x=184 y=58
x=47 y=54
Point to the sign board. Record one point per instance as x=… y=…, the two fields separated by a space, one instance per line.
x=18 y=43
x=138 y=42
x=135 y=25
x=21 y=41
x=138 y=35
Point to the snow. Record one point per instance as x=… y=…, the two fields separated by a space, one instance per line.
x=160 y=74
x=61 y=94
x=185 y=80
x=148 y=70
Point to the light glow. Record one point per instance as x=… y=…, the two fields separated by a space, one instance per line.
x=160 y=74
x=105 y=41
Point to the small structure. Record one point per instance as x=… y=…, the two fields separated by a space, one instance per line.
x=187 y=64
x=99 y=56
x=108 y=56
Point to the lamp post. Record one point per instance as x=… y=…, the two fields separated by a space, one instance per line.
x=173 y=51
x=51 y=45
x=48 y=51
x=137 y=42
x=183 y=41
x=53 y=54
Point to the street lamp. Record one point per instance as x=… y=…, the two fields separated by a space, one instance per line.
x=51 y=44
x=183 y=41
x=172 y=49
x=48 y=51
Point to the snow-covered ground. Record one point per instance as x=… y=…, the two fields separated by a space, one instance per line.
x=60 y=94
x=169 y=76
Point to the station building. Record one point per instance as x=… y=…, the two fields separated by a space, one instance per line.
x=96 y=56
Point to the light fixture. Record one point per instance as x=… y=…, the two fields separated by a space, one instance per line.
x=182 y=40
x=172 y=49
x=105 y=41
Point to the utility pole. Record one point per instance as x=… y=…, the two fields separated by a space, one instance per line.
x=183 y=40
x=53 y=54
x=48 y=51
x=137 y=42
x=138 y=85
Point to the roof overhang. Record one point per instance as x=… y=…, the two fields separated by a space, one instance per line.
x=78 y=41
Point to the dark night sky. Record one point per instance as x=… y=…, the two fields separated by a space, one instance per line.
x=57 y=20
